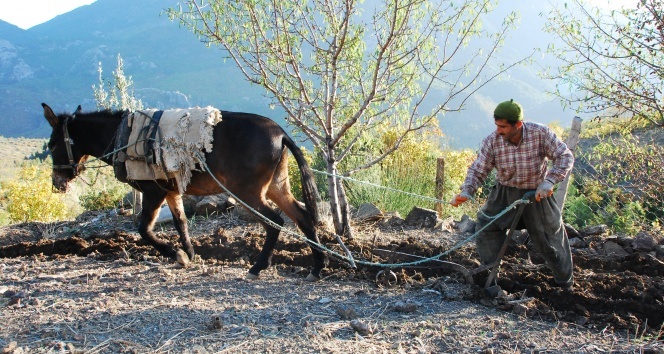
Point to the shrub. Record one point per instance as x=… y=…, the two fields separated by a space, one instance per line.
x=591 y=203
x=29 y=197
x=107 y=198
x=294 y=173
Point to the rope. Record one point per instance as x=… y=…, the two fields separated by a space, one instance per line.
x=334 y=253
x=366 y=263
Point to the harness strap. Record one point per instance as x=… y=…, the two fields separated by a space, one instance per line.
x=68 y=143
x=152 y=131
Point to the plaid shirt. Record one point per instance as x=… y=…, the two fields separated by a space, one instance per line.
x=523 y=166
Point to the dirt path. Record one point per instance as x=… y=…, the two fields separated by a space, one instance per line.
x=93 y=286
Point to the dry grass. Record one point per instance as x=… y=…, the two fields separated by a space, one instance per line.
x=13 y=153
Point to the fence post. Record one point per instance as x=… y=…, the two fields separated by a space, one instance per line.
x=138 y=204
x=440 y=183
x=572 y=140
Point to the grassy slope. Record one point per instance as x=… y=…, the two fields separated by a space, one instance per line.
x=13 y=153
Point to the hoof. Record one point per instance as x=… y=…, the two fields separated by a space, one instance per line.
x=251 y=276
x=312 y=278
x=182 y=258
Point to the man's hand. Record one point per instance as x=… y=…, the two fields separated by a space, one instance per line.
x=544 y=190
x=458 y=200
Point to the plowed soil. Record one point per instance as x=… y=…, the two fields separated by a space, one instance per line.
x=617 y=294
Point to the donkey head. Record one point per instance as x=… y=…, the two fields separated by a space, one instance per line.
x=67 y=158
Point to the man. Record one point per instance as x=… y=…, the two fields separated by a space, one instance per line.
x=520 y=151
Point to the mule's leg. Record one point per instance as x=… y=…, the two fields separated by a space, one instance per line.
x=152 y=201
x=279 y=193
x=271 y=237
x=174 y=201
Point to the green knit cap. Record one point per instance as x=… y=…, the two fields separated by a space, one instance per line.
x=509 y=110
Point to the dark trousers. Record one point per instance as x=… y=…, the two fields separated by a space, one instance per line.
x=543 y=221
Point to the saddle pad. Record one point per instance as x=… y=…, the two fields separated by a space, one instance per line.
x=181 y=139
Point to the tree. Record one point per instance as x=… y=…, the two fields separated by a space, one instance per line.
x=116 y=94
x=612 y=62
x=344 y=71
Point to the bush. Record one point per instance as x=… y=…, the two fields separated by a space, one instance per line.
x=294 y=176
x=29 y=197
x=108 y=198
x=591 y=203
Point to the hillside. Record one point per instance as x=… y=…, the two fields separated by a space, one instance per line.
x=15 y=152
x=56 y=62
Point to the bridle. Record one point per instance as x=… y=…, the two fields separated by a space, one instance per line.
x=68 y=143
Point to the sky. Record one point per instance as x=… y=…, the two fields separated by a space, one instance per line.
x=28 y=13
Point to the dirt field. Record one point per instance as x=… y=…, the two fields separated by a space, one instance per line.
x=92 y=286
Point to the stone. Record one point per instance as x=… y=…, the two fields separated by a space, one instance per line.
x=577 y=243
x=361 y=327
x=643 y=242
x=572 y=232
x=594 y=230
x=211 y=204
x=422 y=217
x=406 y=307
x=660 y=250
x=624 y=240
x=613 y=249
x=466 y=225
x=368 y=212
x=346 y=312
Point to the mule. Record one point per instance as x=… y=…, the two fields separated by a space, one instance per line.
x=249 y=157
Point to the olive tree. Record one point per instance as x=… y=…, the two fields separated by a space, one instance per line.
x=612 y=62
x=344 y=70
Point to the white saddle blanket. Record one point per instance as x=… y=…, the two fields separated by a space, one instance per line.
x=182 y=138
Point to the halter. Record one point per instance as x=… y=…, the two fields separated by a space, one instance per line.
x=68 y=143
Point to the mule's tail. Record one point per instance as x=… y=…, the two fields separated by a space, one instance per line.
x=309 y=189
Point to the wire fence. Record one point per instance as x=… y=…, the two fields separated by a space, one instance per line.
x=618 y=181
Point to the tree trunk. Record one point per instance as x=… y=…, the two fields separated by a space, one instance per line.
x=344 y=209
x=338 y=202
x=334 y=197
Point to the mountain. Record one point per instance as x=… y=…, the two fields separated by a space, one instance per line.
x=57 y=63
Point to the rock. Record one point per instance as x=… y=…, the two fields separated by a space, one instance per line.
x=577 y=243
x=466 y=225
x=572 y=232
x=346 y=312
x=643 y=242
x=594 y=230
x=361 y=327
x=613 y=249
x=405 y=307
x=624 y=240
x=368 y=212
x=189 y=202
x=422 y=217
x=582 y=321
x=211 y=204
x=660 y=250
x=392 y=218
x=447 y=224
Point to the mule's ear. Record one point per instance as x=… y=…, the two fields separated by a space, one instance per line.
x=78 y=110
x=50 y=116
